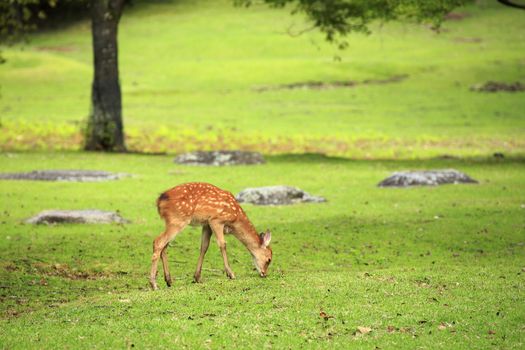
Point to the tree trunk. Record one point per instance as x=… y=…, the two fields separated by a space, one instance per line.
x=105 y=131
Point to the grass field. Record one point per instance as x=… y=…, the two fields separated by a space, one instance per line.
x=372 y=268
x=190 y=73
x=423 y=268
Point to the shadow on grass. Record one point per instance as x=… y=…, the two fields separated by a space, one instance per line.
x=441 y=160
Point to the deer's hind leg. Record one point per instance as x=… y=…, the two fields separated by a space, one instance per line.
x=159 y=245
x=205 y=243
x=164 y=257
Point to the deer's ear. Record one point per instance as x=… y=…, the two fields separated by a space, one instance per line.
x=266 y=238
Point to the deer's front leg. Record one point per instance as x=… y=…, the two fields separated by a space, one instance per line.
x=159 y=244
x=218 y=229
x=205 y=243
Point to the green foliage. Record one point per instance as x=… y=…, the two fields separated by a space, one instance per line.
x=17 y=17
x=20 y=16
x=338 y=18
x=422 y=267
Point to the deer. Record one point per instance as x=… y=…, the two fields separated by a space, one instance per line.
x=217 y=211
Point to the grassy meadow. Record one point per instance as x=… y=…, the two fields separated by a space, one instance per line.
x=190 y=74
x=423 y=267
x=372 y=268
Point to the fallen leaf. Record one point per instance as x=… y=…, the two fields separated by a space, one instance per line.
x=125 y=300
x=390 y=329
x=491 y=331
x=324 y=315
x=364 y=330
x=442 y=326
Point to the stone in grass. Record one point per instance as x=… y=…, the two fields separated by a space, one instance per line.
x=64 y=175
x=276 y=195
x=220 y=158
x=89 y=216
x=426 y=178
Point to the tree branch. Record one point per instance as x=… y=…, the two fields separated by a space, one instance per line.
x=511 y=4
x=299 y=33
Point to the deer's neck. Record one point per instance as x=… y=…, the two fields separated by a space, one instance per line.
x=247 y=234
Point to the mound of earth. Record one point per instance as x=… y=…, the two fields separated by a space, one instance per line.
x=89 y=216
x=276 y=195
x=455 y=16
x=494 y=86
x=426 y=178
x=63 y=175
x=220 y=158
x=321 y=85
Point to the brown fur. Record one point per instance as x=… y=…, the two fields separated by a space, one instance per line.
x=216 y=211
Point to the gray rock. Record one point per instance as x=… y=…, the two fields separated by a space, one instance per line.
x=220 y=158
x=89 y=216
x=64 y=175
x=426 y=178
x=276 y=195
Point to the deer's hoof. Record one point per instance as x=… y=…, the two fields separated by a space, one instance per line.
x=168 y=281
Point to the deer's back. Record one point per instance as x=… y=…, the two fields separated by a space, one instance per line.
x=198 y=203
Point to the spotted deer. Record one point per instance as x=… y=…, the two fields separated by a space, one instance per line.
x=217 y=211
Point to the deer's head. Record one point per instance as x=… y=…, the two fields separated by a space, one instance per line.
x=262 y=257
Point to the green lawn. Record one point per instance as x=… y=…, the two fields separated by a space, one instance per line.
x=423 y=268
x=419 y=268
x=190 y=71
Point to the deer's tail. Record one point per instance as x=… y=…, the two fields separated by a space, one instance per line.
x=163 y=197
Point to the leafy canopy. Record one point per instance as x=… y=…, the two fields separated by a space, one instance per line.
x=337 y=18
x=20 y=16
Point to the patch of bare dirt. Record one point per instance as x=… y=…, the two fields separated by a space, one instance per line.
x=466 y=40
x=455 y=16
x=56 y=48
x=65 y=271
x=320 y=85
x=495 y=86
x=56 y=270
